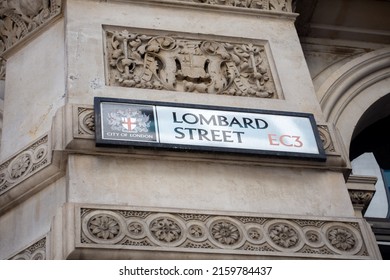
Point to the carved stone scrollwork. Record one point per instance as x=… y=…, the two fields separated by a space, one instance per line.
x=86 y=121
x=326 y=138
x=37 y=251
x=240 y=234
x=18 y=18
x=188 y=65
x=25 y=164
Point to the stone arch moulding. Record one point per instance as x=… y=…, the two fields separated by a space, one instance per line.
x=353 y=88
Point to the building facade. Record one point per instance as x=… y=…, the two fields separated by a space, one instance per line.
x=310 y=77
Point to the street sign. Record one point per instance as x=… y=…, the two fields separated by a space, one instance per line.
x=206 y=128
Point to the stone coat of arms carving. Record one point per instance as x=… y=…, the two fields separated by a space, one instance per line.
x=188 y=65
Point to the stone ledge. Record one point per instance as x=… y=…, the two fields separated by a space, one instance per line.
x=147 y=233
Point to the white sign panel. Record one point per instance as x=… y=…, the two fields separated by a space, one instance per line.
x=179 y=126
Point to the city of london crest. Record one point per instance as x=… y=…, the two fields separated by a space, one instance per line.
x=128 y=120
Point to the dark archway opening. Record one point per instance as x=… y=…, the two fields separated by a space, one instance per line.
x=371 y=135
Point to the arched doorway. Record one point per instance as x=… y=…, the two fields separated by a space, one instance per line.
x=356 y=99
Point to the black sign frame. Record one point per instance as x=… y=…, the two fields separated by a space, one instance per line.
x=101 y=142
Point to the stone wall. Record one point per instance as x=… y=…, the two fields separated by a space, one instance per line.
x=64 y=196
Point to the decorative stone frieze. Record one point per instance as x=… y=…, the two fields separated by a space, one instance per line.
x=19 y=18
x=25 y=164
x=271 y=5
x=132 y=229
x=265 y=5
x=37 y=251
x=186 y=64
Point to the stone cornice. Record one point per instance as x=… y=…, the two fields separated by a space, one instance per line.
x=19 y=20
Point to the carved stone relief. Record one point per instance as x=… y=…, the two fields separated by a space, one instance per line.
x=37 y=251
x=361 y=198
x=18 y=18
x=188 y=65
x=361 y=190
x=85 y=122
x=271 y=5
x=126 y=229
x=25 y=164
x=326 y=138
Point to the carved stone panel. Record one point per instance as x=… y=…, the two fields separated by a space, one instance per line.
x=186 y=64
x=19 y=18
x=267 y=5
x=25 y=164
x=85 y=123
x=36 y=251
x=196 y=232
x=273 y=5
x=326 y=138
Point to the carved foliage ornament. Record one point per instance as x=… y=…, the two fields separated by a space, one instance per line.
x=342 y=238
x=188 y=65
x=243 y=234
x=273 y=5
x=165 y=229
x=103 y=226
x=225 y=232
x=283 y=235
x=86 y=122
x=18 y=18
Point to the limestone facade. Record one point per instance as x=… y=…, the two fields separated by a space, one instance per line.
x=63 y=197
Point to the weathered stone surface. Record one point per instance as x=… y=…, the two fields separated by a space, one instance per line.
x=143 y=233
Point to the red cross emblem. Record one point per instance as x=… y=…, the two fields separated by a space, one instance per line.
x=129 y=123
